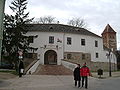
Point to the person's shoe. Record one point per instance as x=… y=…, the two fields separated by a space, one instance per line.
x=81 y=87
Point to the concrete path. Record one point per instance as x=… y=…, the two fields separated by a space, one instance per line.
x=54 y=82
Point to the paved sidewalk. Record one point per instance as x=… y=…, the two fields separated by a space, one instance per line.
x=54 y=82
x=106 y=74
x=40 y=82
x=58 y=82
x=4 y=76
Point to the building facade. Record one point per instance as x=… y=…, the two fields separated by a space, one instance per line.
x=57 y=42
x=2 y=5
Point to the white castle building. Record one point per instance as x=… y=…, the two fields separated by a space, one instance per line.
x=57 y=42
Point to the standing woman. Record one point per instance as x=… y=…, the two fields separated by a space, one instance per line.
x=77 y=77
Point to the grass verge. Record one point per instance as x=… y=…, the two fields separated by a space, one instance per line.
x=9 y=71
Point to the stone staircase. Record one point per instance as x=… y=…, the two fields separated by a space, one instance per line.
x=52 y=70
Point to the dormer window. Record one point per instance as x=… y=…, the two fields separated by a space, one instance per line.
x=51 y=27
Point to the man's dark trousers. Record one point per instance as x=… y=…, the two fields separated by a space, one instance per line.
x=77 y=81
x=85 y=79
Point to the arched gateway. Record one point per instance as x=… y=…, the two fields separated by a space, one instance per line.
x=50 y=57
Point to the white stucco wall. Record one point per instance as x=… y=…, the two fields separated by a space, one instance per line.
x=88 y=48
x=43 y=39
x=105 y=58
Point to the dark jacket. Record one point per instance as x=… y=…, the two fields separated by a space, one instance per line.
x=77 y=73
x=21 y=65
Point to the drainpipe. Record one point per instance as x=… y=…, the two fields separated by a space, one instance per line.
x=63 y=44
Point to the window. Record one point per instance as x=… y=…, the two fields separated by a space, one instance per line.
x=51 y=39
x=83 y=42
x=96 y=43
x=109 y=36
x=113 y=37
x=69 y=56
x=69 y=40
x=97 y=55
x=83 y=56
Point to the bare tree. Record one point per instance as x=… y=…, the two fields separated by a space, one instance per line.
x=77 y=22
x=45 y=20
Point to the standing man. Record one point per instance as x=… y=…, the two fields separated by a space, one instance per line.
x=85 y=72
x=21 y=65
x=77 y=76
x=21 y=68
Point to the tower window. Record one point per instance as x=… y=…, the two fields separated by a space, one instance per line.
x=113 y=37
x=110 y=36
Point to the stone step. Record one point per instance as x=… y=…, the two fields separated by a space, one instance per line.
x=53 y=70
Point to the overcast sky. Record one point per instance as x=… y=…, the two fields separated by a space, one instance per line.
x=96 y=13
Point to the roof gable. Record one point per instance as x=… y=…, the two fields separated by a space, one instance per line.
x=108 y=29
